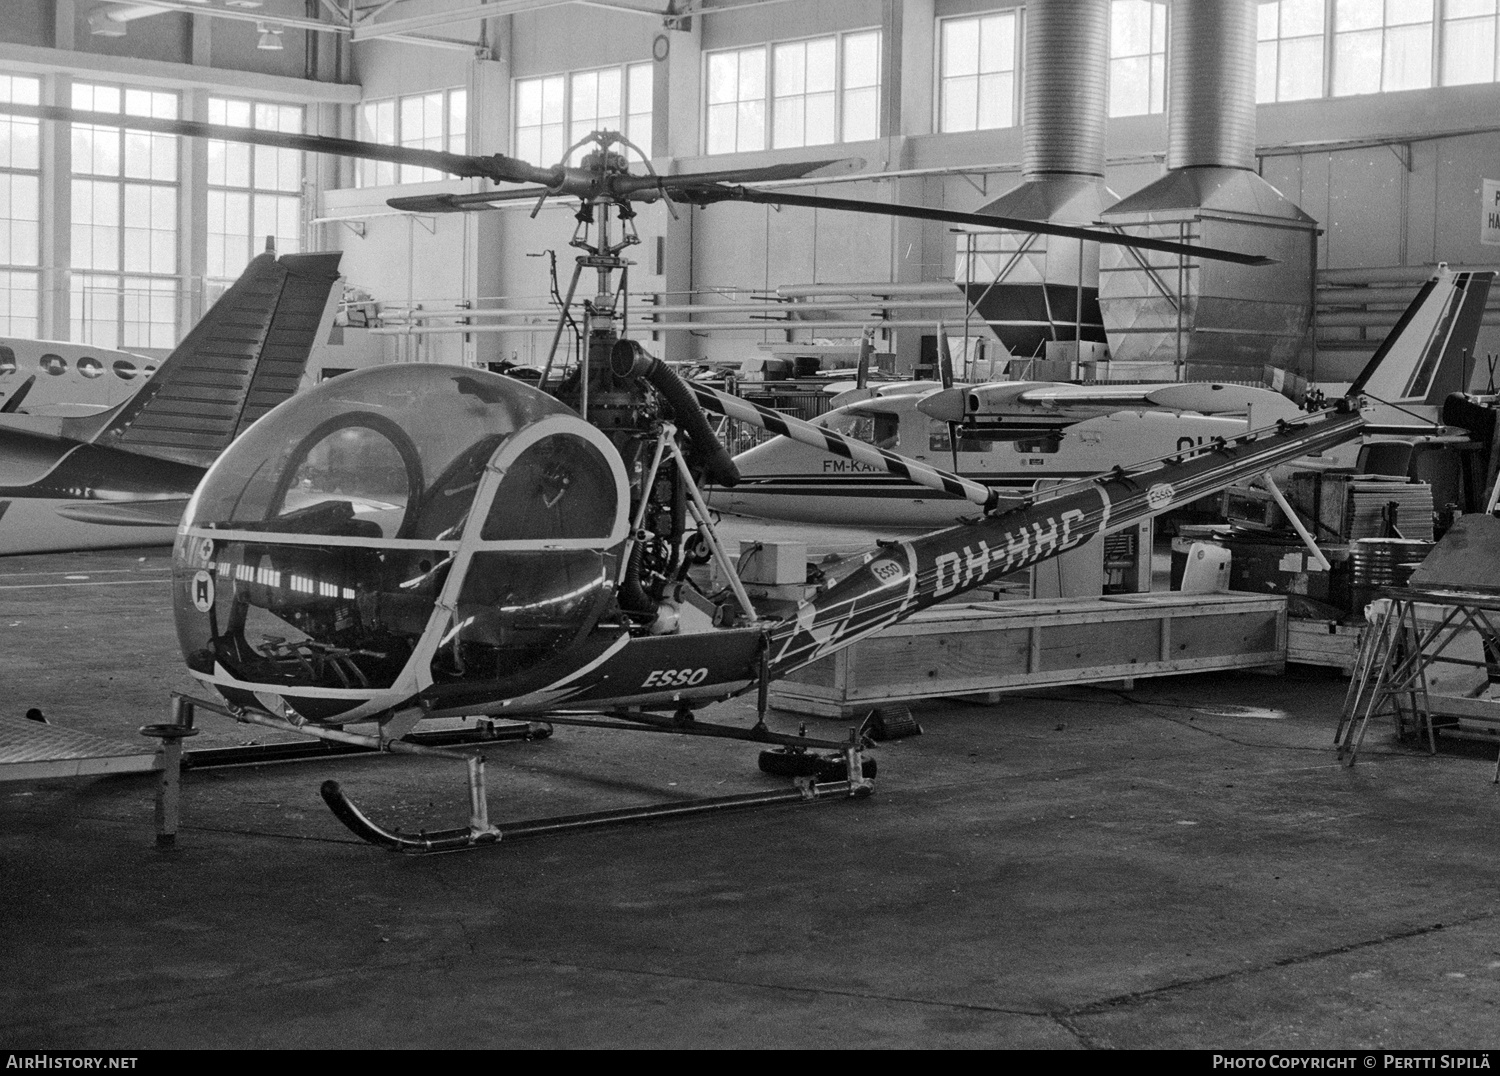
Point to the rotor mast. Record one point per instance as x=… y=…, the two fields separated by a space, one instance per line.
x=602 y=253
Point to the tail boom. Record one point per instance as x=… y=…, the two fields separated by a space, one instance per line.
x=902 y=578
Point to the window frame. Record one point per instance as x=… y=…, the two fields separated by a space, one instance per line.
x=768 y=99
x=1018 y=48
x=1281 y=41
x=1156 y=104
x=630 y=117
x=1444 y=22
x=255 y=155
x=1385 y=28
x=158 y=290
x=390 y=174
x=26 y=325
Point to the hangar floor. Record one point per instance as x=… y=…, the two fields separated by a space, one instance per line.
x=1072 y=868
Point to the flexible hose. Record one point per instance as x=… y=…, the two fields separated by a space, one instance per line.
x=629 y=359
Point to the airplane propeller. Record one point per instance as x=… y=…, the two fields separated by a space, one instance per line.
x=862 y=367
x=13 y=405
x=604 y=175
x=945 y=375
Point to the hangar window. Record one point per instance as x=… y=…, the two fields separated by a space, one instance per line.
x=555 y=111
x=20 y=179
x=977 y=63
x=124 y=284
x=435 y=120
x=1469 y=42
x=1381 y=45
x=737 y=100
x=1137 y=57
x=1289 y=50
x=819 y=90
x=253 y=191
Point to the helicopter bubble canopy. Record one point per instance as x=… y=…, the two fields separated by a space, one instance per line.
x=392 y=529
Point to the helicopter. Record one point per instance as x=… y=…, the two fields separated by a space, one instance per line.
x=423 y=541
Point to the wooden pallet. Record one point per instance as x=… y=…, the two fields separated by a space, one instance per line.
x=993 y=647
x=1324 y=642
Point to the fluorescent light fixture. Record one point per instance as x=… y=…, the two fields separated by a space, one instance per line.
x=270 y=37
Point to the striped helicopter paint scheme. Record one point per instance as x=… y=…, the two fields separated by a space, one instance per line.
x=898 y=579
x=1010 y=436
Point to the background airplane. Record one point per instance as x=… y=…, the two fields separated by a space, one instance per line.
x=122 y=476
x=1010 y=435
x=56 y=377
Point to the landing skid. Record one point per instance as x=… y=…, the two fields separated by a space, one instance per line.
x=472 y=836
x=480 y=831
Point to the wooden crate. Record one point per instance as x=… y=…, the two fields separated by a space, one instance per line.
x=1324 y=642
x=978 y=649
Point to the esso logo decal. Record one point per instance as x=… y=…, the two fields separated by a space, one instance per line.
x=887 y=571
x=675 y=677
x=1161 y=495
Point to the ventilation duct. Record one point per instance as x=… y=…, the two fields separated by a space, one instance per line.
x=1035 y=291
x=1182 y=319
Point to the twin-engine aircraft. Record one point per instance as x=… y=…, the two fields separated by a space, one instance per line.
x=122 y=476
x=1008 y=435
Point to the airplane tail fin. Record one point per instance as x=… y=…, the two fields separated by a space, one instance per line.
x=1426 y=355
x=246 y=356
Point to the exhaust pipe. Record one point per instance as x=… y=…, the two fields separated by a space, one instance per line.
x=628 y=359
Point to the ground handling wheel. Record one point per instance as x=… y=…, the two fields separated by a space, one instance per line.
x=795 y=763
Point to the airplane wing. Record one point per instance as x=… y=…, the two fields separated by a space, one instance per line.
x=1203 y=396
x=158 y=513
x=1023 y=397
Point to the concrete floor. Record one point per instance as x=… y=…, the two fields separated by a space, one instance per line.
x=1071 y=869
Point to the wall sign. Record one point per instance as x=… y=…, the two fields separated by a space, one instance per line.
x=1489 y=213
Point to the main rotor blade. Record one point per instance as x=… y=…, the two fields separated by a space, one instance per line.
x=627 y=187
x=766 y=174
x=461 y=203
x=498 y=168
x=707 y=195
